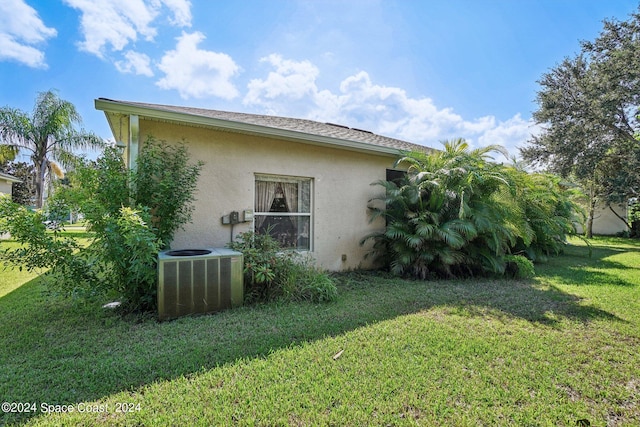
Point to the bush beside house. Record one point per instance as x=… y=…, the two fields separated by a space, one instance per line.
x=457 y=214
x=271 y=272
x=132 y=215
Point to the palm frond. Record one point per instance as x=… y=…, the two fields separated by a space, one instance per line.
x=56 y=169
x=8 y=152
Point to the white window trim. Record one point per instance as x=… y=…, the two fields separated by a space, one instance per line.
x=296 y=179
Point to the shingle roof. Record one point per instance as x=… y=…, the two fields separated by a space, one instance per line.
x=302 y=126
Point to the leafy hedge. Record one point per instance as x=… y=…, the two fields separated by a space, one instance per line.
x=132 y=214
x=458 y=214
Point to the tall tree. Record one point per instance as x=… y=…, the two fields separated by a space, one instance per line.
x=588 y=106
x=49 y=134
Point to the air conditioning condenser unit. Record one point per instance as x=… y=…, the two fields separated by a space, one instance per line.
x=194 y=281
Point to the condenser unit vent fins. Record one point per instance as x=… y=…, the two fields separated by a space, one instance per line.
x=209 y=281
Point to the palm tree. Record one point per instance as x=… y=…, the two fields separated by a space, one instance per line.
x=49 y=135
x=452 y=215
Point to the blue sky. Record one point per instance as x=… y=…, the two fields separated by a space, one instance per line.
x=423 y=71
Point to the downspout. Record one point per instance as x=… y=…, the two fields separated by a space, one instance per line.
x=134 y=142
x=131 y=145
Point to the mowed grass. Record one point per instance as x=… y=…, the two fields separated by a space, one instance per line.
x=551 y=351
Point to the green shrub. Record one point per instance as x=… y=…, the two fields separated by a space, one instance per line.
x=548 y=206
x=165 y=182
x=132 y=247
x=42 y=251
x=634 y=219
x=450 y=216
x=301 y=280
x=271 y=272
x=131 y=215
x=458 y=214
x=519 y=267
x=261 y=262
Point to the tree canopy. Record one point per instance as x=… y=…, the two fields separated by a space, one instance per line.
x=49 y=135
x=588 y=107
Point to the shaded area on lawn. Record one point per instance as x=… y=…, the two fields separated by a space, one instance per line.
x=71 y=352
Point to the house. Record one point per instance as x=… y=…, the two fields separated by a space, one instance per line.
x=6 y=186
x=607 y=220
x=307 y=183
x=6 y=183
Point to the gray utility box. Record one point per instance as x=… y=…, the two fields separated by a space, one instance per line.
x=194 y=281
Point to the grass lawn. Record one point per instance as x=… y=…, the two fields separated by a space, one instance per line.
x=560 y=348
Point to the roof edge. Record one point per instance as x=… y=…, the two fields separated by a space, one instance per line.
x=9 y=178
x=122 y=107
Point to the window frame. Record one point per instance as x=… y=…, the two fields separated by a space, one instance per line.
x=290 y=179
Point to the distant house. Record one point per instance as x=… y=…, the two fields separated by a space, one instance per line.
x=6 y=183
x=307 y=183
x=606 y=222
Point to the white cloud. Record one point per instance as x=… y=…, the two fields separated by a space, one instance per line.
x=511 y=134
x=291 y=89
x=136 y=63
x=197 y=73
x=20 y=29
x=115 y=23
x=290 y=79
x=181 y=12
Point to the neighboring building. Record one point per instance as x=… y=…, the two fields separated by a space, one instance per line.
x=607 y=223
x=308 y=182
x=6 y=183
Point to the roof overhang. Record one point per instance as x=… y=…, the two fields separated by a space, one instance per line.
x=9 y=178
x=123 y=108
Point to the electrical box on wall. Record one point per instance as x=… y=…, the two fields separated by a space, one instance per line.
x=232 y=218
x=235 y=217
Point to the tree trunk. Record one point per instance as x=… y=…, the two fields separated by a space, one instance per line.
x=41 y=169
x=592 y=208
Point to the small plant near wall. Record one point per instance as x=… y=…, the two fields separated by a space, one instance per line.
x=271 y=272
x=132 y=215
x=519 y=267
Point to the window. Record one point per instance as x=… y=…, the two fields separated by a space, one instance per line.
x=396 y=176
x=283 y=209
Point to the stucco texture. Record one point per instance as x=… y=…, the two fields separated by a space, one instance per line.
x=605 y=222
x=5 y=187
x=341 y=188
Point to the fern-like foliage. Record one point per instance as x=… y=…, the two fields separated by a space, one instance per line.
x=457 y=214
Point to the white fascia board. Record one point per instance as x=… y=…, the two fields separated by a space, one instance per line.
x=9 y=178
x=172 y=116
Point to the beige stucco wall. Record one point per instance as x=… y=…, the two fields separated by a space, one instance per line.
x=5 y=187
x=341 y=188
x=605 y=222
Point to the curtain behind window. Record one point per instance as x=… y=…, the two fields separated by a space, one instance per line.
x=290 y=191
x=265 y=193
